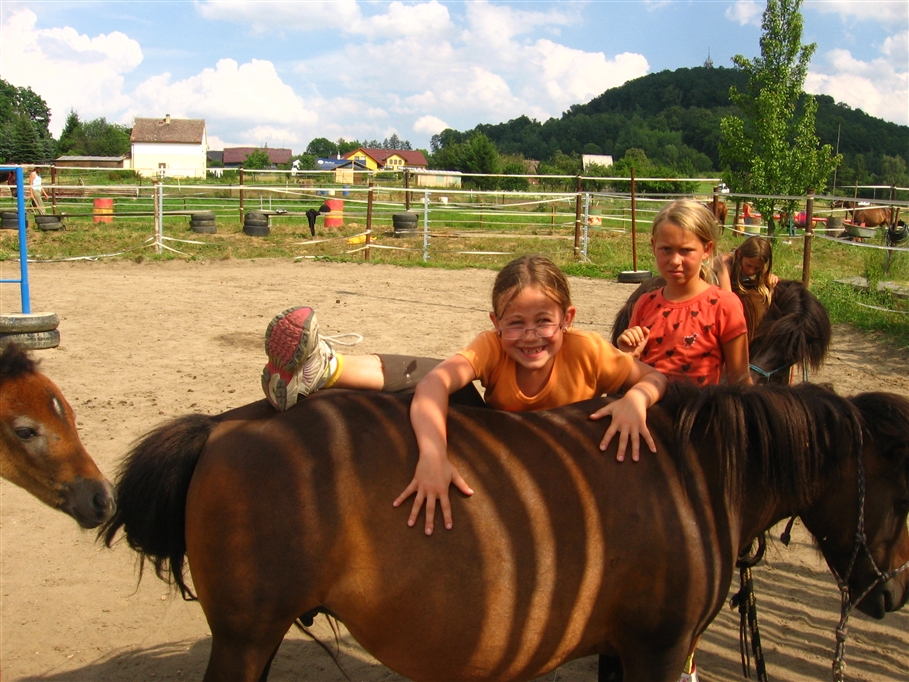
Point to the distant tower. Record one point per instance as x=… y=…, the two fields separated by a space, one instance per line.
x=709 y=63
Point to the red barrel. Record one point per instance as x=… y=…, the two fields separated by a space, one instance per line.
x=336 y=217
x=104 y=209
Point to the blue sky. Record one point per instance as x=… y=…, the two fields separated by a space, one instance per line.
x=282 y=73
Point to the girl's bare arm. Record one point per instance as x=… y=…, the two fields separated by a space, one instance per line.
x=428 y=416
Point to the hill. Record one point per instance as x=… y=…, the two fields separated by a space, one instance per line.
x=674 y=117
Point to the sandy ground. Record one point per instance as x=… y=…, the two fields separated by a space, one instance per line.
x=145 y=342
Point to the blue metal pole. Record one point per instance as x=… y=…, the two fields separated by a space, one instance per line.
x=23 y=247
x=24 y=293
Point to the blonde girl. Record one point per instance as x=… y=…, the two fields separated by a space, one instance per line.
x=690 y=329
x=532 y=359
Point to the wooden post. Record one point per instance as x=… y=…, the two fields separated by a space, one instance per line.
x=53 y=188
x=406 y=188
x=368 y=219
x=577 y=220
x=634 y=233
x=242 y=212
x=809 y=231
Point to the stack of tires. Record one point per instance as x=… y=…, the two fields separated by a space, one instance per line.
x=49 y=223
x=33 y=330
x=255 y=224
x=405 y=224
x=203 y=222
x=9 y=220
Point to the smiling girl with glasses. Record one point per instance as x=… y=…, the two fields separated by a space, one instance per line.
x=531 y=360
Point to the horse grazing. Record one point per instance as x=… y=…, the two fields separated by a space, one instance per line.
x=872 y=217
x=561 y=552
x=40 y=448
x=795 y=330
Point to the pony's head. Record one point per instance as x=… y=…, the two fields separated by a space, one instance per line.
x=795 y=330
x=870 y=554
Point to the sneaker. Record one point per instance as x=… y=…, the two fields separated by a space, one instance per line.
x=298 y=357
x=690 y=677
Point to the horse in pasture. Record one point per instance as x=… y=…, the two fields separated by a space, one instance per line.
x=719 y=212
x=40 y=448
x=872 y=217
x=562 y=552
x=795 y=330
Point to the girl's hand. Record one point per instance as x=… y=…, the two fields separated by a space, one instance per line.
x=633 y=340
x=430 y=482
x=772 y=280
x=629 y=420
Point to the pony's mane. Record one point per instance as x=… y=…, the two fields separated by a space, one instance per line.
x=786 y=440
x=803 y=329
x=15 y=362
x=886 y=418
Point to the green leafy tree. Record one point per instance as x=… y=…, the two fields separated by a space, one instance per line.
x=345 y=147
x=480 y=155
x=514 y=184
x=105 y=139
x=773 y=148
x=322 y=148
x=15 y=137
x=72 y=137
x=257 y=160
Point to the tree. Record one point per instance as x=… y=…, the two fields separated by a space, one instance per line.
x=322 y=148
x=72 y=137
x=26 y=147
x=480 y=156
x=772 y=148
x=257 y=160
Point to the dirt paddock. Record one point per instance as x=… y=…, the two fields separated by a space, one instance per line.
x=145 y=342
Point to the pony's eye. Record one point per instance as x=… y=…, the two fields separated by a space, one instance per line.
x=26 y=433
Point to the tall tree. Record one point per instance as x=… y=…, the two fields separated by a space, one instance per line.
x=772 y=149
x=72 y=137
x=322 y=148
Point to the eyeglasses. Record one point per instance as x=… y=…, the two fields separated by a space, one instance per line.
x=543 y=331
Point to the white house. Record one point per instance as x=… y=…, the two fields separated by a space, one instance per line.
x=604 y=160
x=176 y=146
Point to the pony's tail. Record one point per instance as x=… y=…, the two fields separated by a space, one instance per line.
x=152 y=483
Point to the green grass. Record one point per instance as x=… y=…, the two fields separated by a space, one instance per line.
x=466 y=234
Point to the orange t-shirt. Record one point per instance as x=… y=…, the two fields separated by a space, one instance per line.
x=587 y=366
x=687 y=337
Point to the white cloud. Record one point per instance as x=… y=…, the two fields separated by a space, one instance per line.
x=429 y=125
x=875 y=87
x=744 y=12
x=264 y=17
x=247 y=92
x=68 y=69
x=886 y=12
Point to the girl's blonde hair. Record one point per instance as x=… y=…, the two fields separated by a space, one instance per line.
x=696 y=218
x=529 y=271
x=753 y=247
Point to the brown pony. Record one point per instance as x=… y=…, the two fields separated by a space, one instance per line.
x=40 y=448
x=872 y=217
x=720 y=212
x=561 y=552
x=795 y=330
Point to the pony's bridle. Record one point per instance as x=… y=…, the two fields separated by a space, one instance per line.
x=764 y=373
x=846 y=606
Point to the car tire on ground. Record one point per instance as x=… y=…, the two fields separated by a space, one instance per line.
x=256 y=230
x=256 y=215
x=633 y=276
x=255 y=223
x=17 y=323
x=202 y=223
x=203 y=229
x=203 y=215
x=7 y=224
x=49 y=225
x=32 y=340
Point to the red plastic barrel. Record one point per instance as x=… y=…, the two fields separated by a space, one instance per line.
x=336 y=217
x=104 y=209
